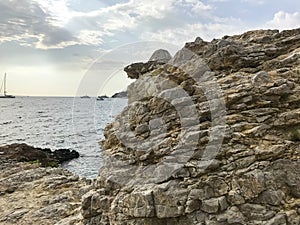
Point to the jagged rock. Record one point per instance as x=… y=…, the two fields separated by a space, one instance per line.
x=181 y=57
x=30 y=194
x=26 y=153
x=161 y=56
x=158 y=58
x=163 y=164
x=135 y=70
x=208 y=138
x=33 y=194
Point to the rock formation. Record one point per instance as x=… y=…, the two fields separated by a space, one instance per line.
x=158 y=58
x=26 y=153
x=212 y=137
x=33 y=194
x=122 y=94
x=161 y=55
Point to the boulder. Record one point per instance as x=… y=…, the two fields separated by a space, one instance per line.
x=161 y=56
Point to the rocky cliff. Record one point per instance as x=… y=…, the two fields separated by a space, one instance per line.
x=209 y=137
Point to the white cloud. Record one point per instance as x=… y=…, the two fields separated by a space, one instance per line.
x=190 y=31
x=57 y=11
x=54 y=23
x=259 y=2
x=88 y=37
x=218 y=0
x=284 y=20
x=49 y=24
x=25 y=22
x=196 y=6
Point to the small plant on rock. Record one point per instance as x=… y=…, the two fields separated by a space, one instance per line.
x=295 y=135
x=53 y=164
x=34 y=162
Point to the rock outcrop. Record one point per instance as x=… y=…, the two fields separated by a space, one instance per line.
x=26 y=153
x=122 y=94
x=135 y=70
x=158 y=58
x=212 y=137
x=161 y=55
x=31 y=193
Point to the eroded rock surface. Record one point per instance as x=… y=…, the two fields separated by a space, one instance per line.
x=161 y=55
x=210 y=138
x=32 y=194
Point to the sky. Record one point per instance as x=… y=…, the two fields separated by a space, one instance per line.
x=76 y=47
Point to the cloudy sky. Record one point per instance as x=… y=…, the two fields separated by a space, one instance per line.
x=48 y=46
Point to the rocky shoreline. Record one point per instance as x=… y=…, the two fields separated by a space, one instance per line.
x=46 y=157
x=210 y=137
x=35 y=190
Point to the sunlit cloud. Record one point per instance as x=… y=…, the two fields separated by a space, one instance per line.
x=284 y=20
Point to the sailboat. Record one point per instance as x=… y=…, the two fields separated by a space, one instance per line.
x=5 y=95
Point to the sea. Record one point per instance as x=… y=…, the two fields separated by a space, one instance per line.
x=60 y=122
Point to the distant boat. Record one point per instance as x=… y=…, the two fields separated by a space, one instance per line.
x=85 y=96
x=101 y=98
x=5 y=95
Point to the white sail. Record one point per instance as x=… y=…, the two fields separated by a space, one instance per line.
x=5 y=95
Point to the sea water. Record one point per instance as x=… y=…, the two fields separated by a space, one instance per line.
x=58 y=122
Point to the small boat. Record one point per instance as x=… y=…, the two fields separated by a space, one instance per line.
x=85 y=96
x=5 y=95
x=101 y=98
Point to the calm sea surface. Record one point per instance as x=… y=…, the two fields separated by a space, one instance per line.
x=72 y=123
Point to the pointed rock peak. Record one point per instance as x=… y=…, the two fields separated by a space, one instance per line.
x=161 y=55
x=181 y=57
x=198 y=40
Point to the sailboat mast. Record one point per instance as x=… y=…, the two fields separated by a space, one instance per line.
x=5 y=84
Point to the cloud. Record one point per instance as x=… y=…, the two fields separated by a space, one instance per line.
x=54 y=24
x=189 y=32
x=57 y=11
x=26 y=22
x=50 y=24
x=283 y=20
x=258 y=2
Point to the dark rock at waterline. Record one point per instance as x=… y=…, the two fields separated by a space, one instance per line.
x=122 y=94
x=26 y=153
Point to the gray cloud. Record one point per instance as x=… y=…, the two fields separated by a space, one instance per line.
x=25 y=22
x=48 y=24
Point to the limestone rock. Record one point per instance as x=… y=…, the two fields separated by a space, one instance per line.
x=211 y=137
x=161 y=55
x=31 y=192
